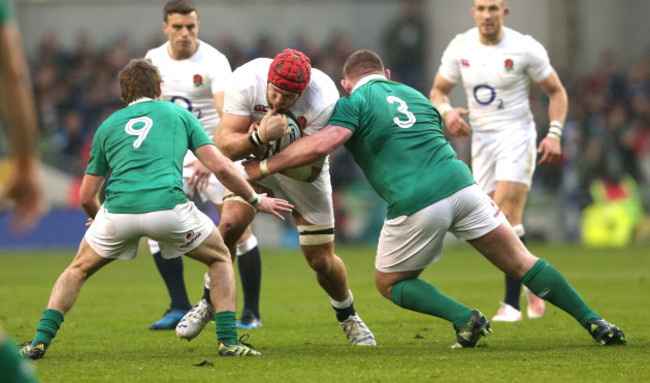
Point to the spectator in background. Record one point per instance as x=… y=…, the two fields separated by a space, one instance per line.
x=405 y=42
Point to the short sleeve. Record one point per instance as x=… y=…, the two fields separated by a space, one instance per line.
x=450 y=66
x=97 y=163
x=346 y=114
x=196 y=134
x=219 y=74
x=539 y=65
x=6 y=11
x=239 y=93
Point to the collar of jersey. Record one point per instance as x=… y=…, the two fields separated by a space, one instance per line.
x=367 y=79
x=143 y=99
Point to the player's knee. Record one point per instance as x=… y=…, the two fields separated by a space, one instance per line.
x=320 y=262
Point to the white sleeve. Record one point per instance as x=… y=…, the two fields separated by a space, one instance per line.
x=450 y=66
x=238 y=95
x=539 y=65
x=219 y=74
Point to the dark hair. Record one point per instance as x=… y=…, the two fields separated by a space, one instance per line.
x=184 y=7
x=361 y=63
x=138 y=79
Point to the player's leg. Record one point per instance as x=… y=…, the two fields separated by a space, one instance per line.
x=407 y=245
x=317 y=244
x=511 y=198
x=250 y=275
x=62 y=298
x=502 y=247
x=214 y=253
x=171 y=271
x=236 y=216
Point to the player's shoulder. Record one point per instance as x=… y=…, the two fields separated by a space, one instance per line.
x=158 y=52
x=517 y=38
x=470 y=36
x=258 y=65
x=210 y=52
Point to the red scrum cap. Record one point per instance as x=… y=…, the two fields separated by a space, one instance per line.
x=290 y=71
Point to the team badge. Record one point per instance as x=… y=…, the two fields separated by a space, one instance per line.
x=198 y=80
x=464 y=62
x=509 y=65
x=302 y=121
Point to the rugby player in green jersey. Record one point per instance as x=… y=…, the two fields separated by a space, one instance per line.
x=395 y=135
x=144 y=145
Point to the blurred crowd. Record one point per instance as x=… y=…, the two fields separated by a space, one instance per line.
x=607 y=134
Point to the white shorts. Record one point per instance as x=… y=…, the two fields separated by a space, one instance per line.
x=504 y=156
x=312 y=200
x=414 y=242
x=213 y=192
x=178 y=231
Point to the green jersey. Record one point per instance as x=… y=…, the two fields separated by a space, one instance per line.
x=6 y=11
x=144 y=145
x=399 y=145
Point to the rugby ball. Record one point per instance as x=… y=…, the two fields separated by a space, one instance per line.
x=306 y=173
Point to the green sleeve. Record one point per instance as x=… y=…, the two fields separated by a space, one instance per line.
x=346 y=114
x=97 y=164
x=197 y=136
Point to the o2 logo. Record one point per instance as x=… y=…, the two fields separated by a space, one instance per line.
x=486 y=95
x=187 y=104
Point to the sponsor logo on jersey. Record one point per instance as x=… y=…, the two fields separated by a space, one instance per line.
x=509 y=65
x=259 y=108
x=198 y=80
x=464 y=62
x=190 y=238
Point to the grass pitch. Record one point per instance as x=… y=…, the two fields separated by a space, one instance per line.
x=105 y=337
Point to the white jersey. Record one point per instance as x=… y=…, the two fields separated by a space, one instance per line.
x=246 y=96
x=191 y=83
x=496 y=78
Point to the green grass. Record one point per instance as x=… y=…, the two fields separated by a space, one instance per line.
x=105 y=338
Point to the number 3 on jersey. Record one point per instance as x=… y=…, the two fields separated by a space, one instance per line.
x=402 y=108
x=142 y=132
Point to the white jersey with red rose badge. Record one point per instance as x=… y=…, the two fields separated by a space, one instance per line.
x=191 y=83
x=496 y=78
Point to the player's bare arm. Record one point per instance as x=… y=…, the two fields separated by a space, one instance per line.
x=200 y=178
x=233 y=138
x=90 y=186
x=452 y=117
x=550 y=147
x=303 y=151
x=228 y=174
x=20 y=126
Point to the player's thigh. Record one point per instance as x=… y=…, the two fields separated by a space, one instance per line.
x=311 y=200
x=87 y=261
x=475 y=213
x=211 y=250
x=503 y=248
x=410 y=243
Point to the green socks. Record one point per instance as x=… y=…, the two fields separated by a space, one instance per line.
x=421 y=296
x=546 y=282
x=48 y=326
x=226 y=328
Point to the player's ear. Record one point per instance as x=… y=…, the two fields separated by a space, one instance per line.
x=387 y=73
x=347 y=86
x=506 y=11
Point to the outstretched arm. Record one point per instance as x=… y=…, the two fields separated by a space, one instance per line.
x=228 y=174
x=303 y=151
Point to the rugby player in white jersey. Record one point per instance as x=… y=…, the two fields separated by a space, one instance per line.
x=496 y=65
x=194 y=76
x=286 y=84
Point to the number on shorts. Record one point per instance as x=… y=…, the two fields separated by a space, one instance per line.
x=142 y=132
x=402 y=108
